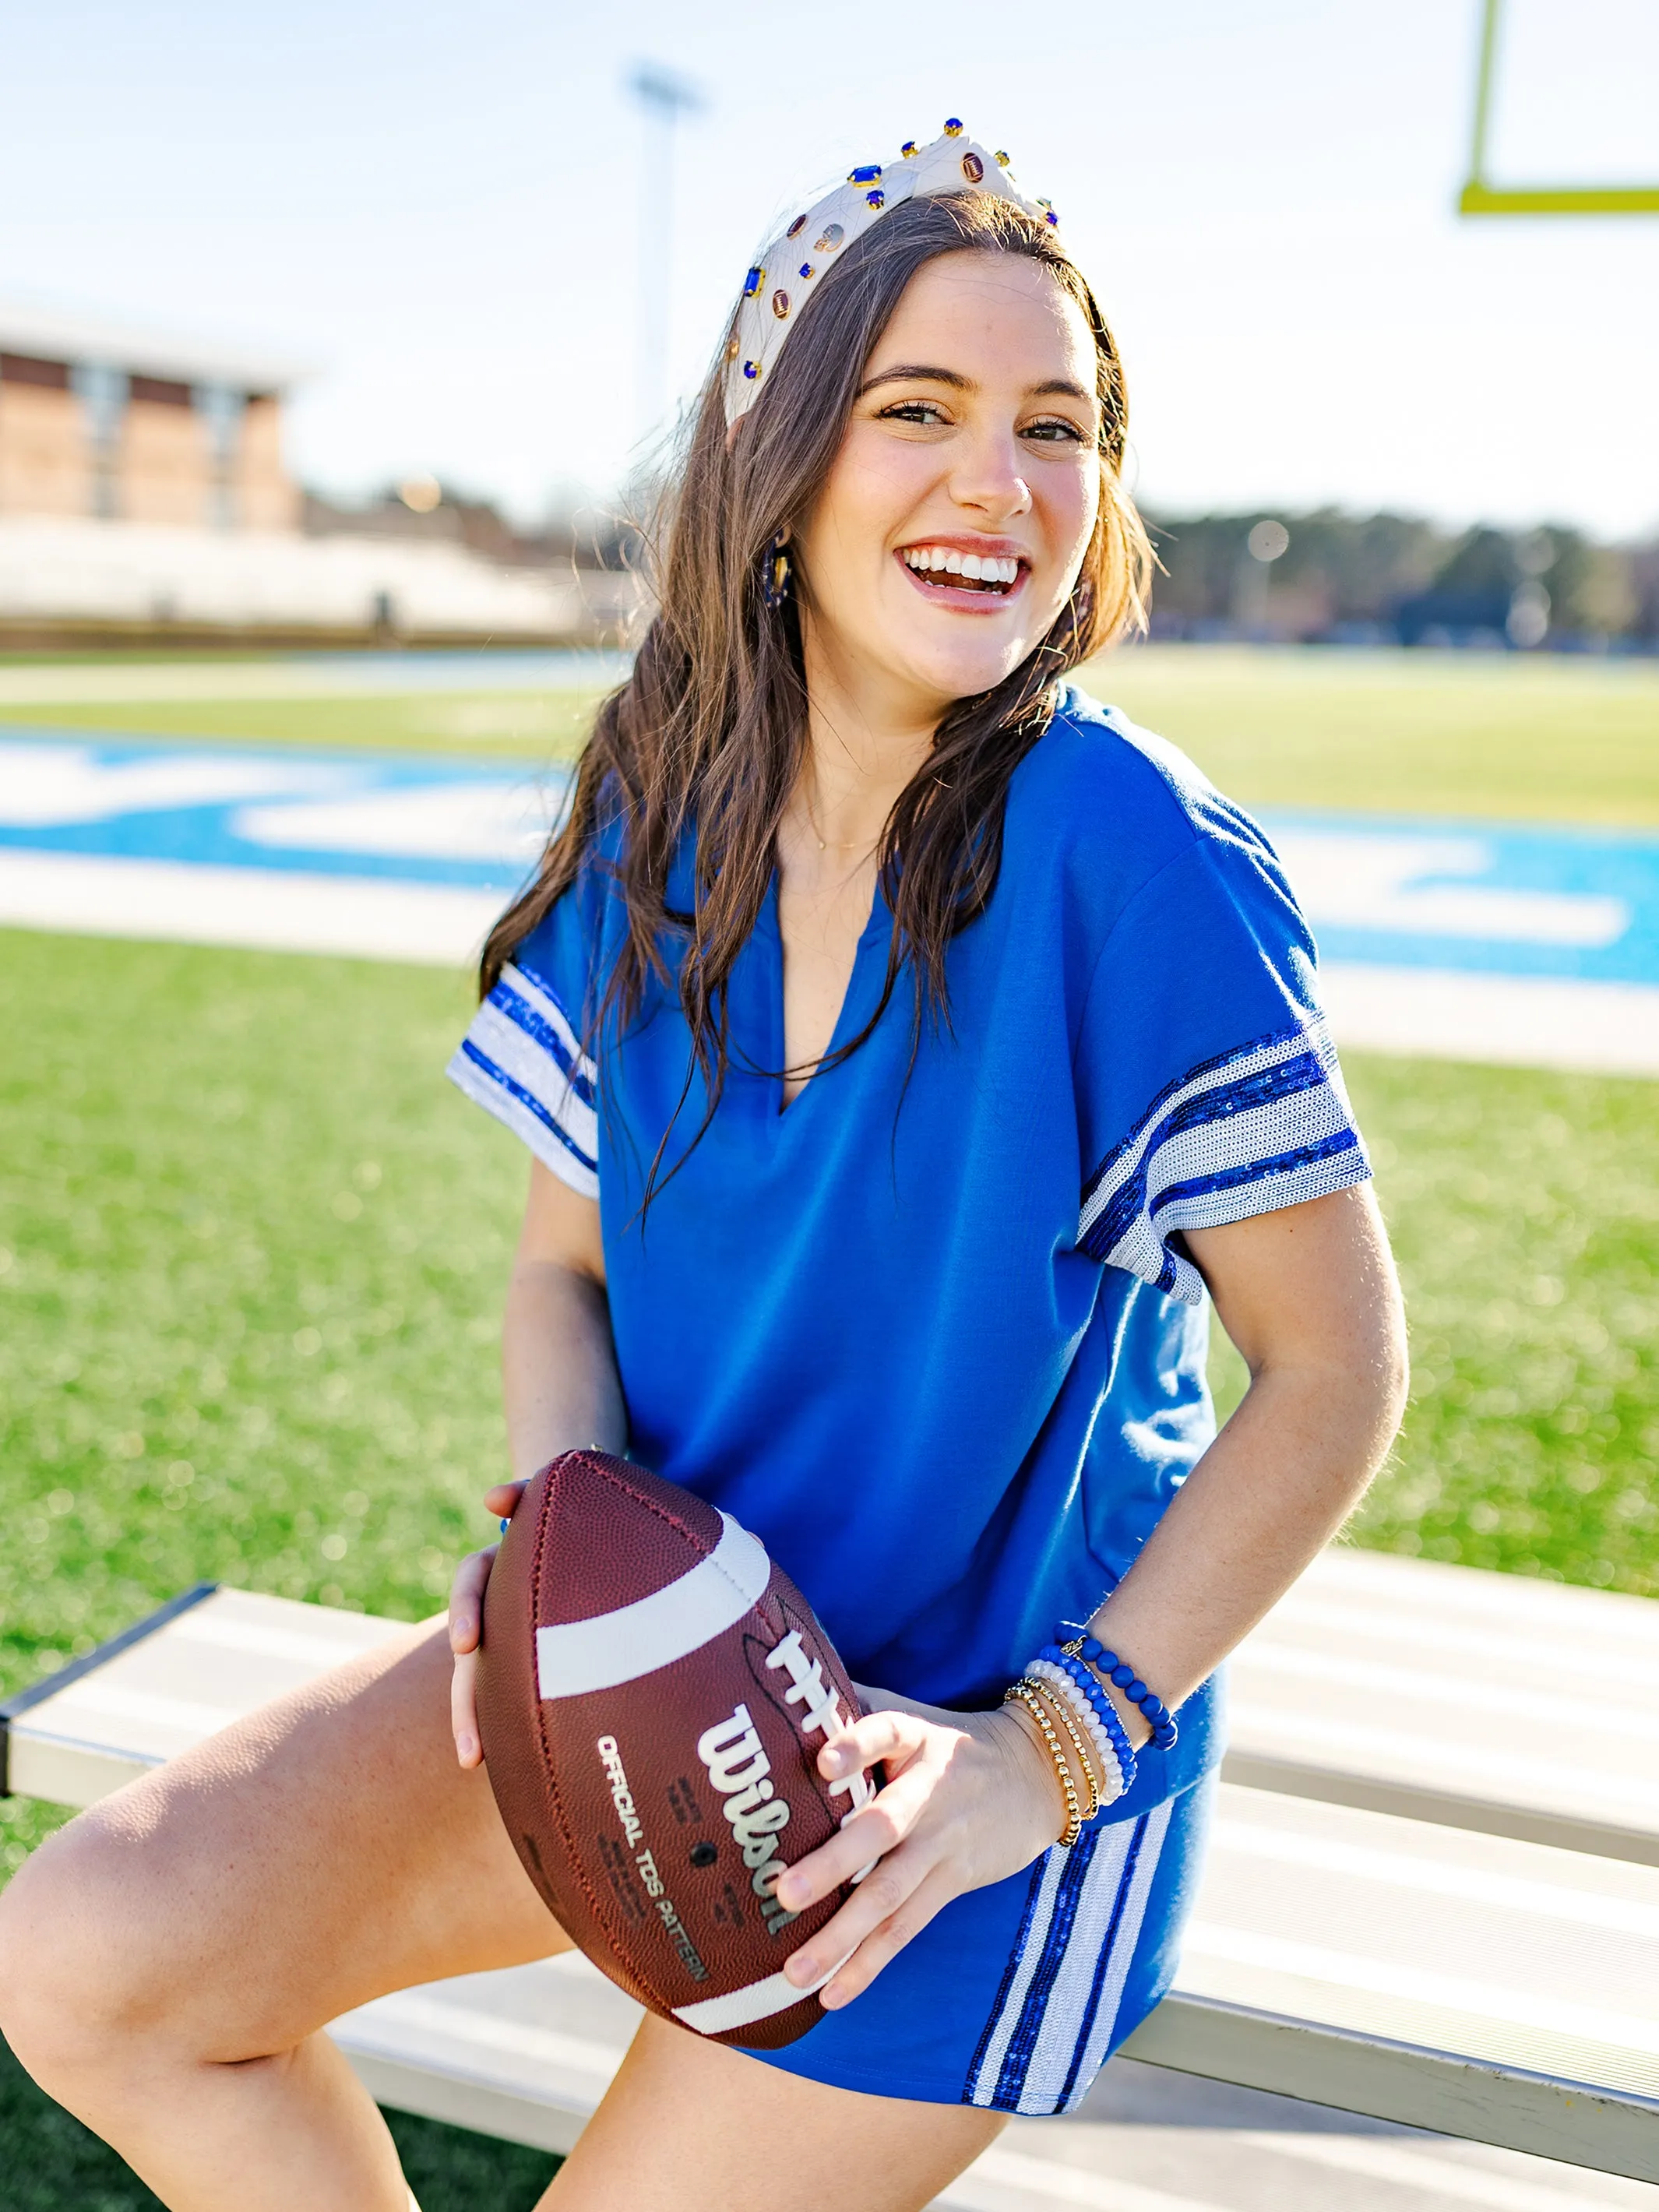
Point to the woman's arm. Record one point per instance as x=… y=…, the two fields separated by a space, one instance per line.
x=561 y=1387
x=1309 y=1297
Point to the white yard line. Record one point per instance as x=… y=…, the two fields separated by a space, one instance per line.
x=1518 y=1021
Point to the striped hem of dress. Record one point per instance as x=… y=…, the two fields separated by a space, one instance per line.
x=1054 y=2020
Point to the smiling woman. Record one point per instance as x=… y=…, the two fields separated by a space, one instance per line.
x=920 y=1302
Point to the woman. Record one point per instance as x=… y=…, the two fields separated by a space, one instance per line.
x=905 y=1046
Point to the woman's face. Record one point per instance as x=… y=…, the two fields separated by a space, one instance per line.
x=953 y=521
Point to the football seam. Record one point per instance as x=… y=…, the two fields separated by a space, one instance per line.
x=550 y=1777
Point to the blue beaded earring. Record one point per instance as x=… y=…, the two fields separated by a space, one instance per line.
x=776 y=573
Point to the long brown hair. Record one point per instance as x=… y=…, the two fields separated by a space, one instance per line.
x=708 y=734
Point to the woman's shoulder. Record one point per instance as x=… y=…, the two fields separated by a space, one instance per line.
x=1101 y=785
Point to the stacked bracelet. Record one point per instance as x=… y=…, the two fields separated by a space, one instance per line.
x=1090 y=1650
x=1076 y=1701
x=1105 y=1712
x=1025 y=1693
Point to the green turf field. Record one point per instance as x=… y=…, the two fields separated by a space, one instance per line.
x=1541 y=736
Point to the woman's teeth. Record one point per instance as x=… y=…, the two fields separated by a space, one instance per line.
x=981 y=569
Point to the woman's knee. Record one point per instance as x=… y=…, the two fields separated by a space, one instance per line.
x=83 y=1966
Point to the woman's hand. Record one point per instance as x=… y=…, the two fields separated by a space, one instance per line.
x=970 y=1799
x=465 y=1620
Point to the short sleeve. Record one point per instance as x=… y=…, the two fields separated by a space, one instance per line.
x=1208 y=1086
x=522 y=1058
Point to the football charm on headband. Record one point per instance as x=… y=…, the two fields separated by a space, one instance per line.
x=783 y=280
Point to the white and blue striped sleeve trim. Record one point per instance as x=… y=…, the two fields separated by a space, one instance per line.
x=1253 y=1131
x=523 y=1062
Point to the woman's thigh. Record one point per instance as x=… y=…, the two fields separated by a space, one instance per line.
x=690 y=2126
x=321 y=1852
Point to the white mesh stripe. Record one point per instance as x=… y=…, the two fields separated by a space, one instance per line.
x=580 y=1655
x=1068 y=1995
x=1104 y=2025
x=554 y=1015
x=1316 y=1039
x=1261 y=1133
x=534 y=1068
x=468 y=1076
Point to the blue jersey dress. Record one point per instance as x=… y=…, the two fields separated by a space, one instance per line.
x=931 y=1332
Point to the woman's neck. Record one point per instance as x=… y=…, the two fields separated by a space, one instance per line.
x=865 y=743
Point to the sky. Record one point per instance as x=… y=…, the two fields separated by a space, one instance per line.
x=442 y=208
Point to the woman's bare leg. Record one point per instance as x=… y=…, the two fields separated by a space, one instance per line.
x=689 y=2126
x=168 y=1960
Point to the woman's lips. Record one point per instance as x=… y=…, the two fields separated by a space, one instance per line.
x=946 y=590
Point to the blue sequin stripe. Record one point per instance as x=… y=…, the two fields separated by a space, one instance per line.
x=1009 y=1975
x=527 y=1099
x=573 y=1066
x=1022 y=2043
x=1085 y=2028
x=1248 y=1051
x=1222 y=1102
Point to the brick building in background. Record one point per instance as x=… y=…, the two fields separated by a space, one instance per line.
x=120 y=425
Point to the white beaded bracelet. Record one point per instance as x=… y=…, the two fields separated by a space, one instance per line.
x=1059 y=1683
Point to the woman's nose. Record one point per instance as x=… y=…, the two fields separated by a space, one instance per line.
x=987 y=477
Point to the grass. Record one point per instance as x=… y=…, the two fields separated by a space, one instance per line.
x=542 y=724
x=1512 y=736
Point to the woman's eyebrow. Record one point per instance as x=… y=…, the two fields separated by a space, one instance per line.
x=919 y=373
x=915 y=373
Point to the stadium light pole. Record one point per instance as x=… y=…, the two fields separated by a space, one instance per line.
x=664 y=97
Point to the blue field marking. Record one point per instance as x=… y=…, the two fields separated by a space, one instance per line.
x=1475 y=898
x=412 y=819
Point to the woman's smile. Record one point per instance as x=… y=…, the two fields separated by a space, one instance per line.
x=966 y=575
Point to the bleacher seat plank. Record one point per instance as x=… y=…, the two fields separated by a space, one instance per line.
x=1437 y=1975
x=1521 y=1707
x=189 y=1669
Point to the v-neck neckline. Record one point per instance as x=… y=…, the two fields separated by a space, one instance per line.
x=781 y=1110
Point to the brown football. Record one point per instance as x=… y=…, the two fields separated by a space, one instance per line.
x=653 y=1695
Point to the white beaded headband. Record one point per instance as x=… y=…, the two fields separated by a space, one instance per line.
x=785 y=277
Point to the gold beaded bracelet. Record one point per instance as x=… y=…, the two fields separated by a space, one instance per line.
x=1057 y=1705
x=1025 y=1692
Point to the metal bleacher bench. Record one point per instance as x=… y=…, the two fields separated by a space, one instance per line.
x=1432 y=1897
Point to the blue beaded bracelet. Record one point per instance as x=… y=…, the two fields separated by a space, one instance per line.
x=1105 y=1712
x=1124 y=1677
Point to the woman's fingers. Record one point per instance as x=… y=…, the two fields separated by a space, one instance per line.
x=503 y=1500
x=888 y=1737
x=465 y=1616
x=884 y=1943
x=462 y=1709
x=466 y=1599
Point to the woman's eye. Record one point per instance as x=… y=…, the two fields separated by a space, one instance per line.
x=1054 y=431
x=913 y=411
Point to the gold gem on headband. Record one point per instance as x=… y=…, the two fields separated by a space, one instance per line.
x=786 y=275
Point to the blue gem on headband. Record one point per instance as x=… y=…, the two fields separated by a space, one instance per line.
x=751 y=370
x=752 y=282
x=910 y=150
x=953 y=126
x=877 y=199
x=865 y=174
x=806 y=270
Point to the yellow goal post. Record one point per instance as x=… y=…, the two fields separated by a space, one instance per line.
x=1478 y=196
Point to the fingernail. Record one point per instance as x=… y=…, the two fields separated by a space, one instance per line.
x=800 y=1969
x=466 y=1748
x=836 y=1761
x=831 y=1999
